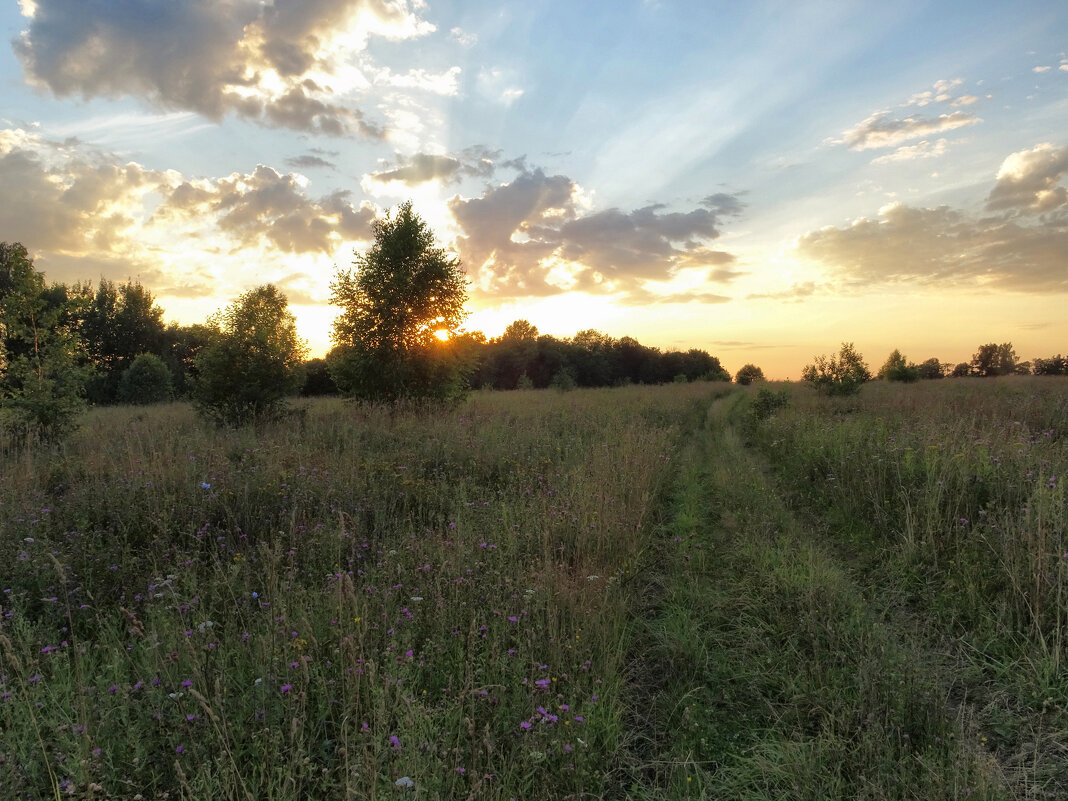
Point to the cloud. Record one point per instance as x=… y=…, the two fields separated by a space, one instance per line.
x=943 y=246
x=1029 y=181
x=309 y=161
x=267 y=207
x=290 y=63
x=67 y=201
x=420 y=168
x=882 y=130
x=85 y=214
x=531 y=236
x=795 y=292
x=921 y=150
x=463 y=38
x=941 y=92
x=498 y=85
x=1045 y=68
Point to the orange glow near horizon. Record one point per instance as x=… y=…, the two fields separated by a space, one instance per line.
x=442 y=334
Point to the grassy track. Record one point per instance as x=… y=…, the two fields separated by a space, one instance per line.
x=779 y=671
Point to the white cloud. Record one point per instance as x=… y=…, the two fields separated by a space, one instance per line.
x=1045 y=68
x=463 y=38
x=921 y=150
x=882 y=130
x=498 y=85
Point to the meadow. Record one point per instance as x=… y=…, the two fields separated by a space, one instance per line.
x=641 y=592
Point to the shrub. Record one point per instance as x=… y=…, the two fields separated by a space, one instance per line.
x=146 y=380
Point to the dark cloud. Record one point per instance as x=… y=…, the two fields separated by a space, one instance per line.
x=723 y=204
x=530 y=236
x=309 y=161
x=475 y=162
x=254 y=59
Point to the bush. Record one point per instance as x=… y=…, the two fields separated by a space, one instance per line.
x=147 y=380
x=766 y=403
x=841 y=375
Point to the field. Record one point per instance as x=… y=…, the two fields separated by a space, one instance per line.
x=644 y=592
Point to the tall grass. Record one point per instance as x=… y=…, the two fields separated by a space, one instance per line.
x=349 y=604
x=955 y=492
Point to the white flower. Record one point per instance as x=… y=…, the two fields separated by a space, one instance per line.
x=405 y=783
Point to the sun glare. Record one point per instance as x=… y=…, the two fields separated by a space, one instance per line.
x=442 y=334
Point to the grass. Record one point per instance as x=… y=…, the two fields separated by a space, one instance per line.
x=322 y=608
x=632 y=593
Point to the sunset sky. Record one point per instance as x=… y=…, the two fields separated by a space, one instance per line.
x=762 y=180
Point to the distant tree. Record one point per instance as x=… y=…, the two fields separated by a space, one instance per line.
x=520 y=331
x=962 y=370
x=897 y=368
x=120 y=323
x=1054 y=365
x=41 y=378
x=993 y=359
x=843 y=374
x=254 y=363
x=404 y=296
x=147 y=380
x=317 y=380
x=931 y=369
x=748 y=374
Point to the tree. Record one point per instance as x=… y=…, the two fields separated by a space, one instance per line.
x=146 y=380
x=400 y=308
x=897 y=368
x=841 y=375
x=993 y=359
x=41 y=377
x=931 y=369
x=1054 y=365
x=749 y=373
x=254 y=364
x=962 y=370
x=120 y=324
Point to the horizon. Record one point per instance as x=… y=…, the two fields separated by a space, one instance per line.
x=760 y=182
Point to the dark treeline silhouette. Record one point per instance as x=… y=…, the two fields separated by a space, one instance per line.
x=523 y=358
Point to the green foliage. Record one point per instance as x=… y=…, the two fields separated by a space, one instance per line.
x=749 y=373
x=119 y=324
x=147 y=380
x=254 y=364
x=41 y=376
x=993 y=359
x=962 y=370
x=897 y=368
x=843 y=374
x=767 y=402
x=317 y=380
x=403 y=291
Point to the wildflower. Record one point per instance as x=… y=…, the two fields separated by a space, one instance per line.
x=205 y=485
x=286 y=688
x=394 y=741
x=404 y=783
x=179 y=749
x=525 y=725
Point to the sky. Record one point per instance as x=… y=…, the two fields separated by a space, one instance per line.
x=761 y=180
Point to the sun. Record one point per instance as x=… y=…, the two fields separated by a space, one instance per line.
x=442 y=334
